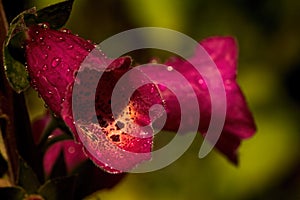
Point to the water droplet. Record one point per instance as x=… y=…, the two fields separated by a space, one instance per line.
x=61 y=39
x=55 y=62
x=63 y=100
x=170 y=68
x=200 y=81
x=45 y=67
x=65 y=30
x=44 y=25
x=41 y=38
x=71 y=150
x=37 y=32
x=38 y=74
x=152 y=89
x=228 y=84
x=70 y=46
x=33 y=83
x=45 y=56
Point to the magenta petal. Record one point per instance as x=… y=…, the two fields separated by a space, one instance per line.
x=239 y=120
x=116 y=142
x=38 y=126
x=239 y=123
x=73 y=155
x=52 y=59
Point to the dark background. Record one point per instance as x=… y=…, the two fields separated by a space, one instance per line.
x=269 y=68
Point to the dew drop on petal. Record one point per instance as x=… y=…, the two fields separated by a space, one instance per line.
x=170 y=68
x=228 y=84
x=50 y=93
x=45 y=26
x=38 y=74
x=45 y=56
x=65 y=30
x=200 y=81
x=45 y=67
x=61 y=39
x=71 y=150
x=55 y=62
x=152 y=90
x=70 y=46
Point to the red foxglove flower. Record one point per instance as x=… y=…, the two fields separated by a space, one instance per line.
x=239 y=122
x=53 y=59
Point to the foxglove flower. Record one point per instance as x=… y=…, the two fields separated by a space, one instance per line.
x=239 y=123
x=53 y=59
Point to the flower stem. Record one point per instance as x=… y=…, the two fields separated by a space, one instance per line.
x=6 y=125
x=14 y=120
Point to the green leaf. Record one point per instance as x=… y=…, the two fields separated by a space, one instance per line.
x=59 y=188
x=12 y=193
x=27 y=179
x=56 y=15
x=15 y=72
x=18 y=24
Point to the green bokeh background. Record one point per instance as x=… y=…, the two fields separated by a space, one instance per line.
x=269 y=55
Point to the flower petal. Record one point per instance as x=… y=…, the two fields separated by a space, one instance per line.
x=239 y=123
x=116 y=141
x=52 y=58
